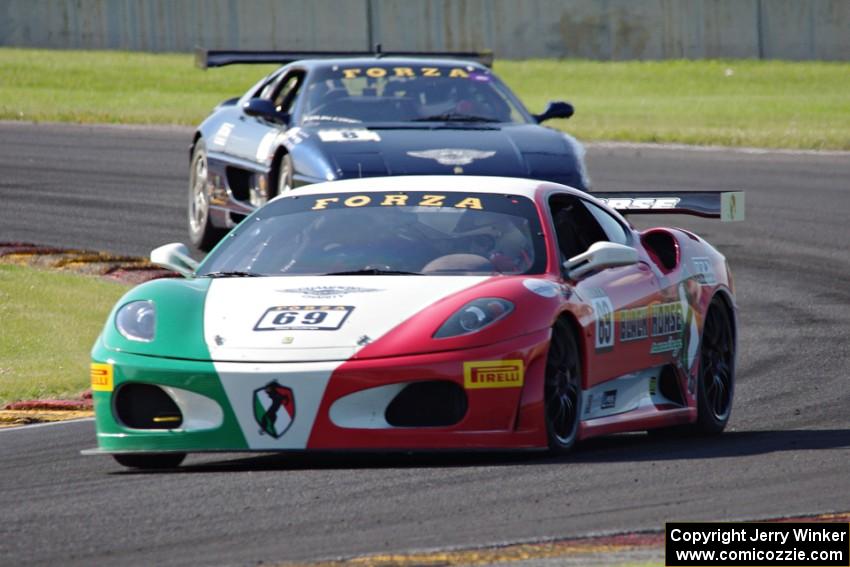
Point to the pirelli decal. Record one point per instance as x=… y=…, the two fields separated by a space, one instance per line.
x=493 y=374
x=398 y=200
x=101 y=377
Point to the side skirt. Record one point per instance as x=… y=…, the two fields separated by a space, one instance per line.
x=632 y=402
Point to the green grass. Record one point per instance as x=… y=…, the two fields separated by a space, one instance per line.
x=774 y=104
x=739 y=102
x=114 y=86
x=49 y=322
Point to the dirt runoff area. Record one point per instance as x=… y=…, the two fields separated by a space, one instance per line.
x=126 y=269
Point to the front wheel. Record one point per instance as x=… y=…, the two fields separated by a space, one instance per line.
x=202 y=233
x=150 y=461
x=562 y=389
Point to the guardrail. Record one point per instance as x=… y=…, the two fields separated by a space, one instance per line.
x=593 y=29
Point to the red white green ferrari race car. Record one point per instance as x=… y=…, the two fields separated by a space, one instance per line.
x=423 y=313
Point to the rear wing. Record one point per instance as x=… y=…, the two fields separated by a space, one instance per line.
x=205 y=58
x=724 y=205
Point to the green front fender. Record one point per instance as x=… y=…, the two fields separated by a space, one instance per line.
x=195 y=376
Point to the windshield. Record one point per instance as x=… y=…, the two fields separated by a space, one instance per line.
x=384 y=233
x=401 y=93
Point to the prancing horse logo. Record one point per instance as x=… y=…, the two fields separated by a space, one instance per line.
x=274 y=409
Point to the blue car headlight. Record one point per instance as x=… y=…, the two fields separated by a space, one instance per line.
x=136 y=321
x=474 y=316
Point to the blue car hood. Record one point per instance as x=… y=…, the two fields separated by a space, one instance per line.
x=511 y=151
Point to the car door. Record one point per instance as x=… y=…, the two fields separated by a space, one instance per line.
x=619 y=326
x=253 y=138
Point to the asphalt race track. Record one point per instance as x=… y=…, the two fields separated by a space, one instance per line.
x=786 y=453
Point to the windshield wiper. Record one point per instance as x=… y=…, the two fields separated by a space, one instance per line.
x=369 y=271
x=231 y=274
x=455 y=117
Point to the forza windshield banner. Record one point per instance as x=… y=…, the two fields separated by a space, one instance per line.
x=757 y=543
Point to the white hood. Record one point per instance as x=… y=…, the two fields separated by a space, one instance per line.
x=287 y=319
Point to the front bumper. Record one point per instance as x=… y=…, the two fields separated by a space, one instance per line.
x=334 y=405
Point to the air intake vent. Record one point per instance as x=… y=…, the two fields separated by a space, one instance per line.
x=663 y=247
x=239 y=182
x=668 y=385
x=145 y=406
x=427 y=404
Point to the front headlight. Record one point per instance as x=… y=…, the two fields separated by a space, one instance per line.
x=474 y=316
x=136 y=321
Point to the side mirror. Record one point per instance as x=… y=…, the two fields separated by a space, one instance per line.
x=262 y=108
x=556 y=109
x=175 y=257
x=599 y=256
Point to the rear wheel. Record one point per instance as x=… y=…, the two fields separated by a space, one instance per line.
x=202 y=233
x=716 y=382
x=562 y=389
x=151 y=461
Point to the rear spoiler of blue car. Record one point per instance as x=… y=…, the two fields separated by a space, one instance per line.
x=724 y=205
x=205 y=58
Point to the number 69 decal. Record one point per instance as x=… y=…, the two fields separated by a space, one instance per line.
x=303 y=318
x=604 y=322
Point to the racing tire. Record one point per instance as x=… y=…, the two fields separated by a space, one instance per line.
x=562 y=390
x=284 y=175
x=202 y=234
x=151 y=461
x=716 y=379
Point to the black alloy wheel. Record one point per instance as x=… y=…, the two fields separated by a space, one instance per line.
x=716 y=382
x=562 y=389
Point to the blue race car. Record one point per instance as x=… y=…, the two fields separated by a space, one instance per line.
x=323 y=117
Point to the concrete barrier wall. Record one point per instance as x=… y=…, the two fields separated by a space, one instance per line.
x=514 y=29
